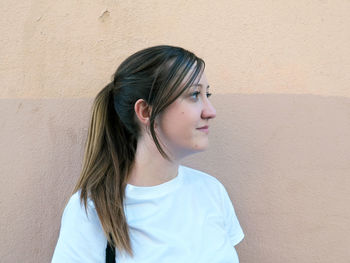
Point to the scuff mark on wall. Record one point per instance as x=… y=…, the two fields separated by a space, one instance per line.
x=19 y=107
x=104 y=16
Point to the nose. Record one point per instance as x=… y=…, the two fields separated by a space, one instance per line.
x=208 y=111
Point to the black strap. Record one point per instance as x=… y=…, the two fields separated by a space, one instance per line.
x=110 y=253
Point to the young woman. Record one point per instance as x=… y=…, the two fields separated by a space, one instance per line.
x=134 y=202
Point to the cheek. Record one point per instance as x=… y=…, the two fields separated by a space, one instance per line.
x=186 y=119
x=179 y=126
x=180 y=119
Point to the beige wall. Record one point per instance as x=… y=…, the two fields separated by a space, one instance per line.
x=280 y=144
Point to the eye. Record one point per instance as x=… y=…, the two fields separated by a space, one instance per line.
x=194 y=95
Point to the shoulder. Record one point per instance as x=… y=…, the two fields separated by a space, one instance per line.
x=76 y=213
x=200 y=178
x=76 y=210
x=194 y=174
x=80 y=233
x=206 y=184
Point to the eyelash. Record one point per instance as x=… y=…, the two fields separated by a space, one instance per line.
x=195 y=94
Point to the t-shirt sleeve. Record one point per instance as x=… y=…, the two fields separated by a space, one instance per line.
x=232 y=225
x=81 y=237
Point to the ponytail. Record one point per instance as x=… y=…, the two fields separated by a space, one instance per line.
x=109 y=153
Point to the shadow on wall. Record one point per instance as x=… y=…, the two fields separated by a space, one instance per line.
x=284 y=159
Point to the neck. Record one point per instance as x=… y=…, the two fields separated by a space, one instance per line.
x=150 y=168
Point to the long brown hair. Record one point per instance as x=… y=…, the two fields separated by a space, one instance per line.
x=155 y=75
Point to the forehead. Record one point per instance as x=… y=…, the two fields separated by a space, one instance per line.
x=201 y=82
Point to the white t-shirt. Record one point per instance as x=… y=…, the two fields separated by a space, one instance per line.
x=187 y=219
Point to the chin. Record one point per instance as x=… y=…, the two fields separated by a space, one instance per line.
x=185 y=149
x=200 y=147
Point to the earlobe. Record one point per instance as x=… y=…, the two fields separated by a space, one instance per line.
x=142 y=110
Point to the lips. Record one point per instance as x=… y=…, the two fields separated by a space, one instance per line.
x=204 y=129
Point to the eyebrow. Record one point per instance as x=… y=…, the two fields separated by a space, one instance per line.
x=199 y=85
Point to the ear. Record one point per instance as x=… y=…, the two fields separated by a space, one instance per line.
x=143 y=111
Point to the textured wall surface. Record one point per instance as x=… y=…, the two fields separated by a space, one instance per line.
x=279 y=71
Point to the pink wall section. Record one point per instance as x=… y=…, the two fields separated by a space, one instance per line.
x=284 y=160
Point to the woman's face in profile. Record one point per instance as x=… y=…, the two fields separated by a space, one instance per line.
x=184 y=125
